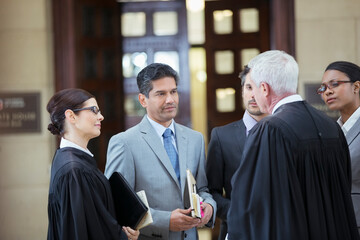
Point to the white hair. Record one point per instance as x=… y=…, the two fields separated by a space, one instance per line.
x=276 y=68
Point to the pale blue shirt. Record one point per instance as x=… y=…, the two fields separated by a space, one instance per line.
x=249 y=122
x=67 y=143
x=160 y=129
x=350 y=122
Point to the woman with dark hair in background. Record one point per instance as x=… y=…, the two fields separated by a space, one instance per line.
x=340 y=91
x=80 y=199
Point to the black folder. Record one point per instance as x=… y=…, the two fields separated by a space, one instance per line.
x=128 y=206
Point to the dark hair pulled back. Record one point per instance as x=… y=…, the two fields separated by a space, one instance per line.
x=71 y=98
x=350 y=69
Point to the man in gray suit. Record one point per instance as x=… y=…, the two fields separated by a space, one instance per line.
x=140 y=155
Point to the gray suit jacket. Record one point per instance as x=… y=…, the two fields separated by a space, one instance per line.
x=353 y=140
x=140 y=156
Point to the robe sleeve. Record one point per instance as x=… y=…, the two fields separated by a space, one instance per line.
x=261 y=180
x=84 y=212
x=293 y=181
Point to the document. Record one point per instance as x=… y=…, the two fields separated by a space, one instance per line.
x=191 y=198
x=147 y=219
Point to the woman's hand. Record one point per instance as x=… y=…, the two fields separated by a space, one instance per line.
x=131 y=233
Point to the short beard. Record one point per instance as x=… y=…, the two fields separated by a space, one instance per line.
x=255 y=112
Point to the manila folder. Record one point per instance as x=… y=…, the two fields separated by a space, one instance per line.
x=191 y=198
x=147 y=219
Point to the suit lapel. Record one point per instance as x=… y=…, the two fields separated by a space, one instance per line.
x=240 y=134
x=181 y=144
x=353 y=132
x=152 y=139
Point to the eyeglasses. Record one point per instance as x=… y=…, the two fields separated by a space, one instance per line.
x=94 y=109
x=330 y=85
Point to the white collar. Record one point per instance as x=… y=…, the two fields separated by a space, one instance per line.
x=66 y=143
x=160 y=129
x=288 y=99
x=350 y=122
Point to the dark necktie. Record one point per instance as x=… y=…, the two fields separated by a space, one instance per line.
x=171 y=151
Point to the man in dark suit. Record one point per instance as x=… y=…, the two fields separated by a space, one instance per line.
x=155 y=154
x=225 y=150
x=294 y=178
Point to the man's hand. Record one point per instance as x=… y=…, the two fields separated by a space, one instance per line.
x=208 y=212
x=181 y=221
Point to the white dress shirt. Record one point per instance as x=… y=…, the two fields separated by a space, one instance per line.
x=67 y=143
x=350 y=122
x=288 y=99
x=160 y=129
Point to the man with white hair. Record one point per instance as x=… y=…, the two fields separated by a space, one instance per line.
x=294 y=177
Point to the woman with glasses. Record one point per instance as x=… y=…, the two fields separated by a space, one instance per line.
x=340 y=91
x=80 y=200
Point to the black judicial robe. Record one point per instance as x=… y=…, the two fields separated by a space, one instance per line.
x=294 y=180
x=80 y=200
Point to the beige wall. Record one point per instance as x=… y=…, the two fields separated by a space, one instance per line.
x=326 y=30
x=25 y=66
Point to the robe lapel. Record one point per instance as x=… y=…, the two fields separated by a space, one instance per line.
x=152 y=139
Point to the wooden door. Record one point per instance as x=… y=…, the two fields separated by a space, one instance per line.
x=230 y=43
x=236 y=31
x=86 y=43
x=154 y=31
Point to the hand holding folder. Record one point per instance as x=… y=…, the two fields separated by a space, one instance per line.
x=191 y=198
x=132 y=209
